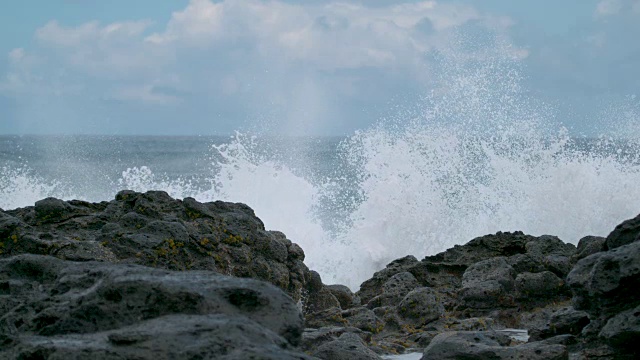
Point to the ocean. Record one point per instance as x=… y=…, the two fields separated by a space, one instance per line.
x=353 y=203
x=476 y=156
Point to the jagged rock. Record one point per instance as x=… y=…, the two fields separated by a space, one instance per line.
x=313 y=338
x=348 y=346
x=364 y=319
x=320 y=296
x=10 y=226
x=487 y=284
x=538 y=285
x=51 y=210
x=373 y=287
x=489 y=345
x=63 y=309
x=390 y=319
x=344 y=295
x=394 y=290
x=553 y=253
x=471 y=324
x=483 y=248
x=152 y=229
x=421 y=306
x=443 y=272
x=438 y=275
x=524 y=263
x=564 y=321
x=495 y=269
x=568 y=321
x=625 y=233
x=623 y=331
x=171 y=337
x=566 y=340
x=600 y=352
x=323 y=318
x=606 y=283
x=492 y=282
x=588 y=245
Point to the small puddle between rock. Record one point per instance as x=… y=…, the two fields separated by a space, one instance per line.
x=410 y=356
x=516 y=334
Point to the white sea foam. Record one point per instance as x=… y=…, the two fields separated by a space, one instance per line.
x=20 y=187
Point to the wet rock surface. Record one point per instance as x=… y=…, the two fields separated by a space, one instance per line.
x=579 y=302
x=152 y=229
x=61 y=309
x=489 y=345
x=146 y=274
x=348 y=346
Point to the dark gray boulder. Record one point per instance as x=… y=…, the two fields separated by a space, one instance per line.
x=525 y=263
x=444 y=271
x=52 y=210
x=348 y=346
x=169 y=337
x=564 y=321
x=488 y=284
x=344 y=295
x=394 y=290
x=606 y=283
x=319 y=296
x=483 y=248
x=538 y=285
x=623 y=331
x=494 y=269
x=625 y=233
x=324 y=318
x=421 y=306
x=312 y=338
x=65 y=309
x=153 y=229
x=588 y=245
x=363 y=318
x=373 y=287
x=553 y=253
x=489 y=345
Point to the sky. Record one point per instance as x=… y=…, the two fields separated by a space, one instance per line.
x=311 y=67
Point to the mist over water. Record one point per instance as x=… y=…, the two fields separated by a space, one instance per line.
x=478 y=155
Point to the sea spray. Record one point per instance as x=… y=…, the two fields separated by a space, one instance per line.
x=416 y=191
x=478 y=155
x=19 y=186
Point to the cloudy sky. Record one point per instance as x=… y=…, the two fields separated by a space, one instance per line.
x=301 y=67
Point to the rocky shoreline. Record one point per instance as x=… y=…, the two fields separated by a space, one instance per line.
x=146 y=276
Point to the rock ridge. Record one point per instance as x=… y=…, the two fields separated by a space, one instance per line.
x=146 y=274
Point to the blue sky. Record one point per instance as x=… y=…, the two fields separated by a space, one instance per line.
x=300 y=67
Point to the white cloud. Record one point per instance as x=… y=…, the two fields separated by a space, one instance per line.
x=16 y=55
x=55 y=34
x=145 y=94
x=111 y=51
x=598 y=40
x=608 y=7
x=329 y=37
x=251 y=54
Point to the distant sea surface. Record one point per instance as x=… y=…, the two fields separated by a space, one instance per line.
x=353 y=203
